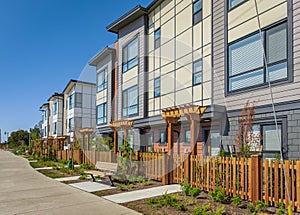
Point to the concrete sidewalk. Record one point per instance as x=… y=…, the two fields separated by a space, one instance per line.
x=25 y=191
x=143 y=194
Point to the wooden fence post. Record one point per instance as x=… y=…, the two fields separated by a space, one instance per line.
x=256 y=174
x=187 y=168
x=165 y=170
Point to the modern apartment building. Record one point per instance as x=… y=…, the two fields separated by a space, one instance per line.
x=180 y=59
x=68 y=112
x=79 y=107
x=45 y=120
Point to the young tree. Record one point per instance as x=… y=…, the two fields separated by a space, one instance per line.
x=246 y=139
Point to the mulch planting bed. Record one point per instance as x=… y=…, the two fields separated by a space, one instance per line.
x=148 y=206
x=56 y=173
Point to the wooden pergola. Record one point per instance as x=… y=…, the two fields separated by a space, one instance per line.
x=193 y=113
x=116 y=126
x=88 y=132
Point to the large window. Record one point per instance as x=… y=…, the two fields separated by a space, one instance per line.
x=197 y=11
x=130 y=55
x=101 y=80
x=102 y=114
x=71 y=102
x=130 y=102
x=197 y=72
x=71 y=125
x=156 y=87
x=54 y=108
x=246 y=65
x=234 y=3
x=157 y=36
x=272 y=140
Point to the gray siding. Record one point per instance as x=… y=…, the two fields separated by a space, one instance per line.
x=126 y=34
x=218 y=51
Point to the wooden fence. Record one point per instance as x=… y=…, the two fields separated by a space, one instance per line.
x=253 y=179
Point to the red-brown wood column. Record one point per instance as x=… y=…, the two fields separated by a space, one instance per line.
x=115 y=141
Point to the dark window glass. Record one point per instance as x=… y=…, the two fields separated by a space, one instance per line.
x=71 y=102
x=71 y=124
x=54 y=108
x=197 y=11
x=163 y=138
x=157 y=36
x=130 y=55
x=101 y=80
x=197 y=72
x=78 y=100
x=102 y=114
x=234 y=3
x=130 y=102
x=157 y=87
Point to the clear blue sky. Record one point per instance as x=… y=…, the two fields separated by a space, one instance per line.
x=44 y=44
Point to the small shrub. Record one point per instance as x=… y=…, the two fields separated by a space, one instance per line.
x=236 y=200
x=85 y=166
x=186 y=187
x=121 y=186
x=83 y=177
x=260 y=206
x=207 y=210
x=195 y=191
x=140 y=179
x=188 y=190
x=201 y=210
x=219 y=195
x=281 y=208
x=220 y=210
x=147 y=182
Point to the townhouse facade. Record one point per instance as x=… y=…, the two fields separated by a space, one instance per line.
x=68 y=112
x=177 y=59
x=79 y=107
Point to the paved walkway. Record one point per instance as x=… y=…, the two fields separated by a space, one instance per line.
x=23 y=190
x=143 y=194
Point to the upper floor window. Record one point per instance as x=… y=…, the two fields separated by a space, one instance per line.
x=78 y=100
x=156 y=87
x=45 y=116
x=101 y=114
x=101 y=80
x=246 y=65
x=130 y=55
x=130 y=102
x=234 y=3
x=54 y=108
x=197 y=11
x=197 y=72
x=71 y=102
x=157 y=36
x=71 y=124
